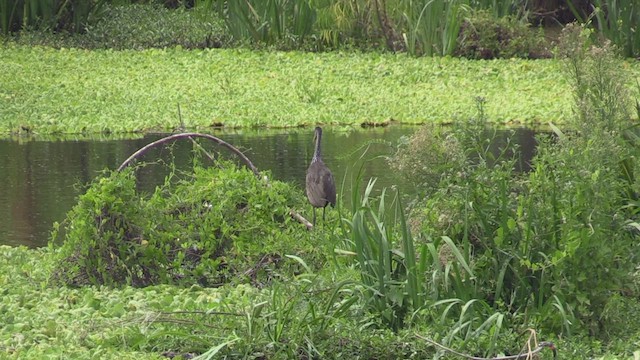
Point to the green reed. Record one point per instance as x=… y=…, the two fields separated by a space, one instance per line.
x=386 y=257
x=431 y=27
x=617 y=20
x=500 y=8
x=268 y=21
x=70 y=15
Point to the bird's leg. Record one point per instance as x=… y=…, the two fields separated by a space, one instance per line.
x=323 y=208
x=314 y=215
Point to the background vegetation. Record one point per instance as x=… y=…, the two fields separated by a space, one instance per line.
x=420 y=27
x=485 y=254
x=233 y=88
x=71 y=90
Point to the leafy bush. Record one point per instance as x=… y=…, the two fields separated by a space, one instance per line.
x=207 y=229
x=427 y=156
x=154 y=26
x=484 y=36
x=138 y=26
x=557 y=242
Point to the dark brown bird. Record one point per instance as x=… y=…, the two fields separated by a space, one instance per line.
x=321 y=189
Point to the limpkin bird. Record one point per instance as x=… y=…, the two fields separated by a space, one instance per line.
x=321 y=188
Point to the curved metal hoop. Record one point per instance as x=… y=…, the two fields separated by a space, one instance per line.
x=167 y=139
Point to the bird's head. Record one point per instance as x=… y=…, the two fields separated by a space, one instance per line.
x=317 y=133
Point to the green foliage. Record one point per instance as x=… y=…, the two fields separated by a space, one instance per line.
x=555 y=243
x=154 y=26
x=416 y=26
x=602 y=103
x=43 y=91
x=136 y=27
x=617 y=20
x=266 y=21
x=432 y=27
x=313 y=314
x=47 y=15
x=484 y=36
x=207 y=229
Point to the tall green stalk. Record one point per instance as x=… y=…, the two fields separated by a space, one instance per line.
x=70 y=15
x=619 y=21
x=266 y=21
x=7 y=14
x=432 y=26
x=386 y=257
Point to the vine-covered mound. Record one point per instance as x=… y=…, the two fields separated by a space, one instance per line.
x=216 y=225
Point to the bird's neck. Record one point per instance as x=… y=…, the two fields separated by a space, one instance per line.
x=316 y=154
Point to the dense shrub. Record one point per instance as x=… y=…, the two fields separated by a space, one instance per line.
x=558 y=242
x=483 y=36
x=139 y=26
x=154 y=26
x=417 y=27
x=206 y=229
x=430 y=154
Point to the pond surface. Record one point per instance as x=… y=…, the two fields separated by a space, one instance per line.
x=40 y=180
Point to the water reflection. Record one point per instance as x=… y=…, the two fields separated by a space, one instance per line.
x=40 y=180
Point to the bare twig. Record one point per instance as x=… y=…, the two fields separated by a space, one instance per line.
x=294 y=214
x=183 y=128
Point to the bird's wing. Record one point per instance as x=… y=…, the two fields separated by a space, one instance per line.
x=314 y=188
x=321 y=188
x=329 y=187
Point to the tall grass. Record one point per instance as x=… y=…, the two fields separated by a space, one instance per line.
x=500 y=8
x=386 y=258
x=552 y=245
x=407 y=283
x=70 y=15
x=617 y=20
x=431 y=27
x=265 y=21
x=426 y=31
x=340 y=21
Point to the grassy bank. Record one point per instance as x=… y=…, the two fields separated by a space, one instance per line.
x=212 y=263
x=77 y=91
x=41 y=321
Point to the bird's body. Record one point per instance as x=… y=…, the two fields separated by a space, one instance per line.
x=321 y=188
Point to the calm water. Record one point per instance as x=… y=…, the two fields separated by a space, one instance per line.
x=40 y=180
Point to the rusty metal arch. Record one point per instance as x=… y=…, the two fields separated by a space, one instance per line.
x=190 y=136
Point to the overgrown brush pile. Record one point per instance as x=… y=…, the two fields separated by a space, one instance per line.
x=552 y=246
x=207 y=229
